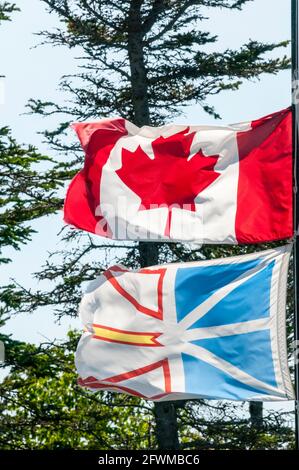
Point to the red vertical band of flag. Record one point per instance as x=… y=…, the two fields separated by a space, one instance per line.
x=265 y=193
x=81 y=208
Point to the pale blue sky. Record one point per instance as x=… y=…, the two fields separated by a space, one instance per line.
x=35 y=72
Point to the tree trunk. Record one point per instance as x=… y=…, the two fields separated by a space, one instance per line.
x=138 y=73
x=165 y=413
x=166 y=426
x=256 y=415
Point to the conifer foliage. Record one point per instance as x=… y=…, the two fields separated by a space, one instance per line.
x=143 y=60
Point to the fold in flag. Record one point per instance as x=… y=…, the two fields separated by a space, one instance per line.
x=185 y=183
x=209 y=329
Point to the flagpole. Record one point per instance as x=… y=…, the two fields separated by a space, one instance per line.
x=295 y=112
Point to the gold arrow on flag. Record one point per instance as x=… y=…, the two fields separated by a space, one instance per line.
x=133 y=338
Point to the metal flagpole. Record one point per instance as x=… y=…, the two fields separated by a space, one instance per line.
x=295 y=112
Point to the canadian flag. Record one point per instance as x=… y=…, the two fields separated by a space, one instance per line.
x=202 y=184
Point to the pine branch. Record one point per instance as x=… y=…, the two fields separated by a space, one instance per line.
x=6 y=9
x=158 y=7
x=178 y=14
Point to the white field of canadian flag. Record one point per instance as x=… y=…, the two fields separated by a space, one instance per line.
x=201 y=184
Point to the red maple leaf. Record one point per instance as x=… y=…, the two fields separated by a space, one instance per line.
x=170 y=179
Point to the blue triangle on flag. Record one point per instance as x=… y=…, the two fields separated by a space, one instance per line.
x=193 y=285
x=210 y=382
x=249 y=301
x=250 y=352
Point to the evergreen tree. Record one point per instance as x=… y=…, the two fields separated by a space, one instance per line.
x=144 y=60
x=28 y=182
x=28 y=190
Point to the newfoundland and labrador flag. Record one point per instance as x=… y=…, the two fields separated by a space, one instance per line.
x=199 y=184
x=210 y=329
